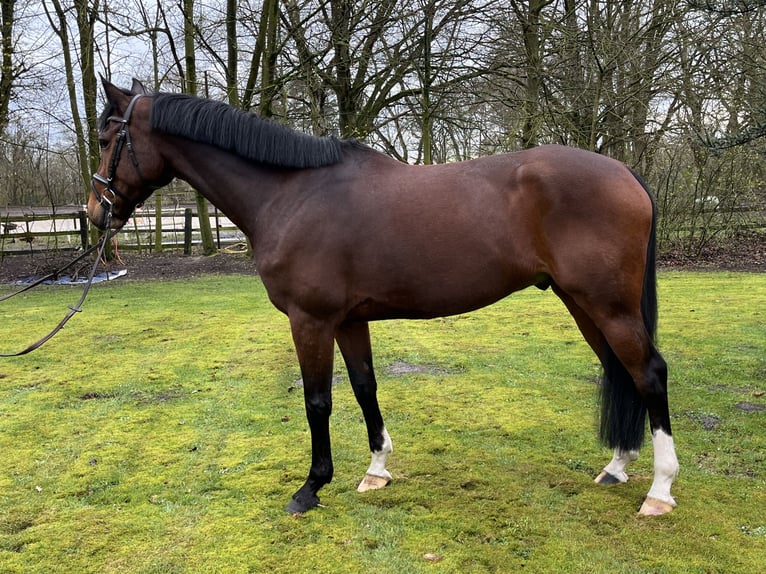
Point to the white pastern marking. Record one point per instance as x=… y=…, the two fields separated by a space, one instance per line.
x=379 y=457
x=665 y=467
x=619 y=463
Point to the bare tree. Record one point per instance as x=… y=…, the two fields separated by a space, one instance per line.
x=727 y=7
x=263 y=60
x=85 y=131
x=528 y=15
x=742 y=46
x=397 y=73
x=360 y=51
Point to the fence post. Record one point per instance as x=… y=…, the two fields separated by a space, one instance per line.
x=187 y=231
x=83 y=218
x=217 y=228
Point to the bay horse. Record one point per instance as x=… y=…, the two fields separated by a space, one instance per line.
x=343 y=235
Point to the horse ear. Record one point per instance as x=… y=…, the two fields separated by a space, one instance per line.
x=113 y=93
x=138 y=88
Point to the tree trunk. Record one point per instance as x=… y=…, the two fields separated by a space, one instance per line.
x=61 y=29
x=532 y=35
x=269 y=58
x=87 y=12
x=232 y=50
x=341 y=42
x=425 y=81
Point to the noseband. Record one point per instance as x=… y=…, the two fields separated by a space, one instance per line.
x=123 y=139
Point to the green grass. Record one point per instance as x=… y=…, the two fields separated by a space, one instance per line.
x=159 y=433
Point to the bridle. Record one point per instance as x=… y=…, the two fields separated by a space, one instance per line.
x=123 y=140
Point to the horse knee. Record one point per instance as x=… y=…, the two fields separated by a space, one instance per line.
x=318 y=406
x=365 y=389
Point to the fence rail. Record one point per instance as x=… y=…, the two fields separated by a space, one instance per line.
x=25 y=230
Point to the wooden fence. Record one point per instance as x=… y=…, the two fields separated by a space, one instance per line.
x=25 y=230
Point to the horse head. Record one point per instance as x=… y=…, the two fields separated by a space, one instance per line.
x=131 y=165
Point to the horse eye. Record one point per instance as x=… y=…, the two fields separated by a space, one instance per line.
x=103 y=144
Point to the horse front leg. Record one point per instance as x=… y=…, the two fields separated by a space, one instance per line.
x=354 y=343
x=314 y=345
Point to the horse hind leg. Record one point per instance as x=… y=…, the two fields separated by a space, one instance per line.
x=616 y=471
x=659 y=499
x=354 y=342
x=626 y=398
x=635 y=384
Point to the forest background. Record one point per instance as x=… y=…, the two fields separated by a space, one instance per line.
x=674 y=88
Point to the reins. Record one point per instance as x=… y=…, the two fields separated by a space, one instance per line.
x=123 y=140
x=72 y=309
x=52 y=275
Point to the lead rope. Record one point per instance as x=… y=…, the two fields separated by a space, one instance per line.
x=72 y=310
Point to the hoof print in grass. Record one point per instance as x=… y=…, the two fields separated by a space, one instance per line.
x=750 y=407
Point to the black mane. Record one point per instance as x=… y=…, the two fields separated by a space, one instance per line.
x=245 y=134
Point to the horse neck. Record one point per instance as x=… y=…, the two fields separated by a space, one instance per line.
x=239 y=188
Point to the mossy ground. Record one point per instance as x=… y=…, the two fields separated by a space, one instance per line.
x=162 y=431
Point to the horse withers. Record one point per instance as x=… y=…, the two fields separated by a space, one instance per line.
x=343 y=235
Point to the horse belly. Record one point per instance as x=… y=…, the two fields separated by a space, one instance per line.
x=424 y=282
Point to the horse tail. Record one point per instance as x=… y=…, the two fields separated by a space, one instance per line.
x=623 y=413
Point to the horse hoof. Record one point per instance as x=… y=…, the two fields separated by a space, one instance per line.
x=606 y=478
x=371 y=482
x=655 y=507
x=298 y=506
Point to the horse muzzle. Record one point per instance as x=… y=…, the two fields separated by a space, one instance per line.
x=102 y=211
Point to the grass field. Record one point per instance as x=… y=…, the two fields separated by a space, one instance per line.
x=162 y=431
